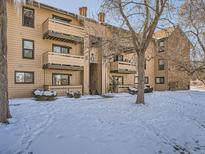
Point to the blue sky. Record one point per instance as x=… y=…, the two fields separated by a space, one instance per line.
x=73 y=5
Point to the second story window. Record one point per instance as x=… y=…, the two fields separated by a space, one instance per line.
x=61 y=49
x=118 y=58
x=161 y=46
x=28 y=17
x=28 y=49
x=161 y=64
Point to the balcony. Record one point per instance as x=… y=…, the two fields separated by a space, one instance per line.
x=127 y=49
x=52 y=60
x=58 y=30
x=62 y=90
x=122 y=67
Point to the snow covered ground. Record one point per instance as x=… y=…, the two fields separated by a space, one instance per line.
x=169 y=123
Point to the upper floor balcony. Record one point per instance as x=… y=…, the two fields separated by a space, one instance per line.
x=52 y=60
x=122 y=67
x=57 y=30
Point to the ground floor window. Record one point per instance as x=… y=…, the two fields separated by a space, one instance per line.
x=22 y=77
x=61 y=79
x=159 y=80
x=118 y=80
x=146 y=80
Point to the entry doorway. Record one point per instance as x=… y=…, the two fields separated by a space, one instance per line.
x=94 y=82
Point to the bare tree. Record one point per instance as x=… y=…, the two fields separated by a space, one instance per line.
x=192 y=19
x=141 y=18
x=4 y=103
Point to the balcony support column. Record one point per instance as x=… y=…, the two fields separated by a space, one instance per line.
x=86 y=74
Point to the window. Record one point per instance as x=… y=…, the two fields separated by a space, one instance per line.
x=28 y=49
x=145 y=64
x=161 y=64
x=28 y=17
x=160 y=80
x=95 y=42
x=61 y=79
x=24 y=77
x=161 y=45
x=118 y=80
x=118 y=58
x=61 y=49
x=146 y=80
x=61 y=19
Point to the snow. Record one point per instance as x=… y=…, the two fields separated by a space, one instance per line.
x=133 y=89
x=44 y=93
x=170 y=122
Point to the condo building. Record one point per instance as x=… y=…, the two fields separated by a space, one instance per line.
x=58 y=50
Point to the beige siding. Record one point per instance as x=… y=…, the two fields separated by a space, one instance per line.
x=16 y=32
x=81 y=79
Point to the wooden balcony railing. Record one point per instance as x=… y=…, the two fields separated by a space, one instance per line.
x=63 y=61
x=122 y=67
x=54 y=29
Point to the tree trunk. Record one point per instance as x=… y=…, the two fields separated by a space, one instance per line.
x=141 y=63
x=4 y=103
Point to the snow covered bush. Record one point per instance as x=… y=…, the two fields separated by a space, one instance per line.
x=74 y=94
x=43 y=95
x=70 y=94
x=77 y=95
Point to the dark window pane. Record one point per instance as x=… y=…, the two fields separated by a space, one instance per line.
x=28 y=53
x=64 y=50
x=28 y=77
x=28 y=49
x=118 y=58
x=161 y=64
x=28 y=17
x=145 y=64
